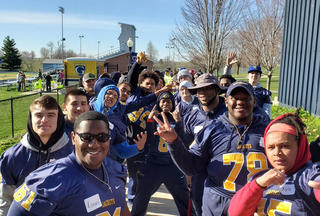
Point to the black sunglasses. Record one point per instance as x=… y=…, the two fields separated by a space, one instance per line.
x=86 y=137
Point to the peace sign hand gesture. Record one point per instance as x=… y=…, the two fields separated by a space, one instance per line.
x=165 y=131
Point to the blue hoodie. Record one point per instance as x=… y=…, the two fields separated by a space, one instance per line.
x=119 y=148
x=99 y=103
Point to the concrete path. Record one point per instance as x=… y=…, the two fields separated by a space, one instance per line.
x=162 y=204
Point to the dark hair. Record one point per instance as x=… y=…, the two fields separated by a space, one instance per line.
x=148 y=74
x=295 y=121
x=228 y=76
x=46 y=102
x=91 y=115
x=74 y=92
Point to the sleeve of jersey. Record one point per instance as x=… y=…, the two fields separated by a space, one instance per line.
x=192 y=161
x=227 y=70
x=141 y=102
x=8 y=166
x=179 y=128
x=184 y=132
x=41 y=192
x=133 y=75
x=246 y=200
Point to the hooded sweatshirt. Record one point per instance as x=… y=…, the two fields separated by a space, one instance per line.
x=29 y=154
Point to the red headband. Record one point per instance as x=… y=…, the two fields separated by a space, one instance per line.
x=282 y=127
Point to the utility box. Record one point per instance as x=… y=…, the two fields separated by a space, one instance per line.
x=76 y=67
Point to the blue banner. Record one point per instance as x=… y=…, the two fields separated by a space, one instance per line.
x=133 y=57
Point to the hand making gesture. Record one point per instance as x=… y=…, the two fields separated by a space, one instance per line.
x=231 y=59
x=176 y=114
x=154 y=112
x=165 y=131
x=141 y=140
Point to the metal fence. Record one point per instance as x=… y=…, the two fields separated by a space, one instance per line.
x=14 y=111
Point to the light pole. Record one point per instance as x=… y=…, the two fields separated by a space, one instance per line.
x=80 y=36
x=98 y=48
x=61 y=9
x=169 y=46
x=130 y=45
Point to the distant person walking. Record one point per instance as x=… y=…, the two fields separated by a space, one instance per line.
x=39 y=74
x=23 y=81
x=48 y=79
x=19 y=77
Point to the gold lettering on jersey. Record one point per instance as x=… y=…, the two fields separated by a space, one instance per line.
x=273 y=192
x=134 y=116
x=245 y=146
x=108 y=202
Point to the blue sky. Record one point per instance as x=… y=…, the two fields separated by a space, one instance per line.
x=33 y=23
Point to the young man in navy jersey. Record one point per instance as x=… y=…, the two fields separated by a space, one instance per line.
x=75 y=103
x=44 y=141
x=84 y=183
x=263 y=95
x=230 y=149
x=158 y=167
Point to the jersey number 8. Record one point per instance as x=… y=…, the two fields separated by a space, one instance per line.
x=238 y=159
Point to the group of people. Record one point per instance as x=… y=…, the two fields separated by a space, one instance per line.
x=210 y=142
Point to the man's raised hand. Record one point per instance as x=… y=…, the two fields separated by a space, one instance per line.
x=141 y=140
x=165 y=131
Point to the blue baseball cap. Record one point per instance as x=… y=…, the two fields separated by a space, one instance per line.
x=254 y=68
x=240 y=84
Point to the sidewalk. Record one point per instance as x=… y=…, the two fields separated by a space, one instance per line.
x=162 y=204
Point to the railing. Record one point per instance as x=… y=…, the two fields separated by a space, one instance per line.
x=16 y=119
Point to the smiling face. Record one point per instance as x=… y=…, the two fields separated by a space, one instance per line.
x=44 y=121
x=281 y=150
x=254 y=77
x=166 y=105
x=89 y=85
x=75 y=105
x=125 y=91
x=240 y=106
x=110 y=98
x=90 y=154
x=207 y=94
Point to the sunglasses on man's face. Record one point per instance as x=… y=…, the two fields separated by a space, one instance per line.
x=87 y=137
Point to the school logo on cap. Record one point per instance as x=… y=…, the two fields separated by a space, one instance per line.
x=165 y=96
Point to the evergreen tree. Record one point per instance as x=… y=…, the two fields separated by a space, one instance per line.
x=11 y=58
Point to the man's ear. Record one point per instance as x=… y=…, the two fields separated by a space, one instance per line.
x=226 y=101
x=64 y=107
x=73 y=137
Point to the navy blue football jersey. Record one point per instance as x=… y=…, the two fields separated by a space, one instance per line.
x=64 y=187
x=294 y=197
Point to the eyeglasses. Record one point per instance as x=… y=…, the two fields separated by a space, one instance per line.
x=87 y=137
